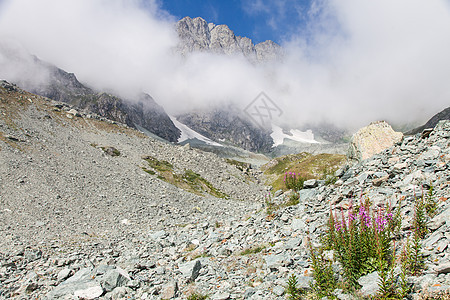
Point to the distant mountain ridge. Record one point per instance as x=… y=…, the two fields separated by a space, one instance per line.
x=198 y=35
x=431 y=123
x=62 y=86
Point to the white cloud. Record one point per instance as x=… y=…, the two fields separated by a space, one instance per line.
x=355 y=61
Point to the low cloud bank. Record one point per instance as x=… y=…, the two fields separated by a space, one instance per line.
x=354 y=62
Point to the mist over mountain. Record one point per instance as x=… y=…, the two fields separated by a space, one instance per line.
x=52 y=82
x=351 y=63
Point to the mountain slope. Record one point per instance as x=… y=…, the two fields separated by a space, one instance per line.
x=52 y=82
x=56 y=169
x=443 y=115
x=84 y=213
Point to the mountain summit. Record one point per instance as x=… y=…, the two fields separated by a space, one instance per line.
x=198 y=35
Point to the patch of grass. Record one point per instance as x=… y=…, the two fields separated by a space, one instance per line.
x=197 y=296
x=151 y=172
x=189 y=180
x=111 y=151
x=201 y=255
x=253 y=250
x=159 y=165
x=294 y=199
x=200 y=184
x=303 y=165
x=272 y=207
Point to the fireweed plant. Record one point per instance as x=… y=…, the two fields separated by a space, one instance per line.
x=293 y=181
x=363 y=240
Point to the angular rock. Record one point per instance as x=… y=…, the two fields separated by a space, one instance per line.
x=64 y=274
x=191 y=269
x=442 y=268
x=310 y=184
x=372 y=139
x=115 y=278
x=369 y=284
x=279 y=260
x=80 y=284
x=221 y=296
x=170 y=291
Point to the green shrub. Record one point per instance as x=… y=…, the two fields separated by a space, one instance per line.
x=291 y=290
x=363 y=242
x=197 y=296
x=293 y=181
x=253 y=250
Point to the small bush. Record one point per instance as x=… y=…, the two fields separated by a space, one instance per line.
x=291 y=290
x=293 y=181
x=363 y=242
x=197 y=296
x=253 y=250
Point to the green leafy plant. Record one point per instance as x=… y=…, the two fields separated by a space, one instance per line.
x=324 y=282
x=361 y=240
x=197 y=296
x=430 y=201
x=294 y=199
x=420 y=217
x=293 y=181
x=291 y=290
x=253 y=250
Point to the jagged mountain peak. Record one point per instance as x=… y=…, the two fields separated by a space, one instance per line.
x=197 y=35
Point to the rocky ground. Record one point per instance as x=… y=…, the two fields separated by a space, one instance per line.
x=78 y=223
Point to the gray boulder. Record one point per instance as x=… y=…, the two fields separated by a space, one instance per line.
x=371 y=140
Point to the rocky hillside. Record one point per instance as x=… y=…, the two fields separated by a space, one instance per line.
x=198 y=35
x=443 y=115
x=44 y=79
x=92 y=209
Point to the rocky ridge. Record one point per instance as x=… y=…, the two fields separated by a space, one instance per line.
x=100 y=227
x=49 y=81
x=443 y=115
x=197 y=35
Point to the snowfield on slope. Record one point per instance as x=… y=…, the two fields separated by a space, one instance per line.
x=188 y=134
x=278 y=136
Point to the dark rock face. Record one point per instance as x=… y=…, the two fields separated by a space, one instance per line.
x=231 y=126
x=143 y=111
x=59 y=85
x=443 y=115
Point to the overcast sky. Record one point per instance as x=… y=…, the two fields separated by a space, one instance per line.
x=348 y=61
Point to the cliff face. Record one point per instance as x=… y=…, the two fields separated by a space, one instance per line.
x=198 y=35
x=229 y=125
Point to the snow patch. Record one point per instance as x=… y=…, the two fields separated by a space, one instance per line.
x=278 y=136
x=188 y=134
